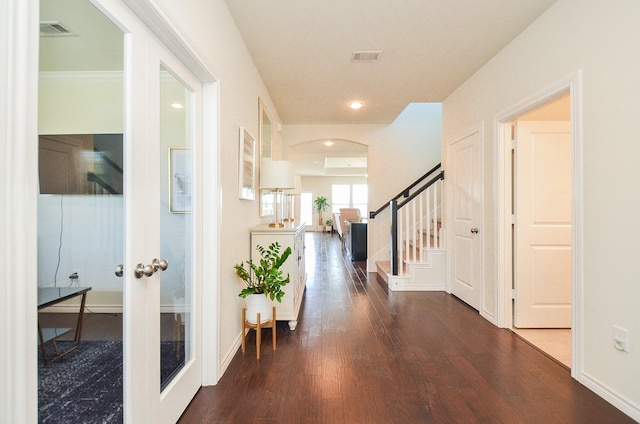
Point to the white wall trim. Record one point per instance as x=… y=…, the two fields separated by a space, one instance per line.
x=151 y=13
x=230 y=354
x=99 y=76
x=502 y=186
x=212 y=370
x=18 y=181
x=610 y=396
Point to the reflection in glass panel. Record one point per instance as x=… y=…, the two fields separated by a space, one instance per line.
x=176 y=224
x=80 y=214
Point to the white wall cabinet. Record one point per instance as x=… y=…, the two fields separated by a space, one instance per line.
x=290 y=236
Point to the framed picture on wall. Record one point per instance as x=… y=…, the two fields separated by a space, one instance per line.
x=180 y=175
x=247 y=166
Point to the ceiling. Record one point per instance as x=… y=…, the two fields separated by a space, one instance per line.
x=329 y=158
x=303 y=51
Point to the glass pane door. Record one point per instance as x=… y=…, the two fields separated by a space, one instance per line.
x=171 y=215
x=176 y=226
x=81 y=218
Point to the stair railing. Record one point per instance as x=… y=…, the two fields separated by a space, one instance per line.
x=415 y=221
x=106 y=177
x=406 y=192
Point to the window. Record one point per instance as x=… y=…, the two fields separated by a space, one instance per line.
x=349 y=196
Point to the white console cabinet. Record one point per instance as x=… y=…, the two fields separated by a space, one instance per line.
x=290 y=236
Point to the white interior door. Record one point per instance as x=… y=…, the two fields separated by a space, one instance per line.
x=466 y=203
x=542 y=257
x=163 y=121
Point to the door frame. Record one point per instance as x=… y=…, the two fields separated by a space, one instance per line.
x=18 y=302
x=503 y=186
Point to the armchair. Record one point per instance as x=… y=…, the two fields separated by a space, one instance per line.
x=347 y=214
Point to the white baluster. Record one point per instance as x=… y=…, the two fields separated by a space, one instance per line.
x=421 y=225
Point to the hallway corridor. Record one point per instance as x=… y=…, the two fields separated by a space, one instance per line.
x=361 y=354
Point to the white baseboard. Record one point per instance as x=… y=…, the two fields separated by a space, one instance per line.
x=73 y=309
x=228 y=356
x=609 y=395
x=107 y=309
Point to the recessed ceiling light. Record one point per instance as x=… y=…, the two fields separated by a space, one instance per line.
x=356 y=104
x=176 y=106
x=328 y=143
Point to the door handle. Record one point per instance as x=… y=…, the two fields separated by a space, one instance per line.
x=161 y=264
x=142 y=270
x=119 y=270
x=474 y=230
x=148 y=270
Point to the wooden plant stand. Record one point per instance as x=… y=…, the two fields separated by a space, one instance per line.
x=258 y=326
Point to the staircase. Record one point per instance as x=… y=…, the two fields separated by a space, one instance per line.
x=417 y=254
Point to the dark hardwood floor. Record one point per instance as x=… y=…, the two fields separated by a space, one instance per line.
x=361 y=354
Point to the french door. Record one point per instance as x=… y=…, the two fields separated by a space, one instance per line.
x=159 y=258
x=163 y=127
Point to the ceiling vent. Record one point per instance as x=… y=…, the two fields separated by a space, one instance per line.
x=54 y=29
x=372 y=56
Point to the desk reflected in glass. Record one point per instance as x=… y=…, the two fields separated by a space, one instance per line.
x=49 y=296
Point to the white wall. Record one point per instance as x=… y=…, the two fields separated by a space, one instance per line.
x=81 y=103
x=596 y=38
x=399 y=153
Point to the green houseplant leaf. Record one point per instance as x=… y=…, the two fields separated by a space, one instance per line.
x=264 y=277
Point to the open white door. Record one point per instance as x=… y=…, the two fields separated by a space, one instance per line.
x=163 y=180
x=173 y=363
x=542 y=256
x=466 y=203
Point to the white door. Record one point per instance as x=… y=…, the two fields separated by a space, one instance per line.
x=163 y=121
x=542 y=236
x=466 y=203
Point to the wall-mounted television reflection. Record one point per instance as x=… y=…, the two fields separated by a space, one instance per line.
x=81 y=164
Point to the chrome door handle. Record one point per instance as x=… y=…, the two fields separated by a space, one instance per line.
x=142 y=270
x=162 y=264
x=474 y=230
x=119 y=270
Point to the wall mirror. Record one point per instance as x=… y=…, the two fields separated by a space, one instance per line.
x=265 y=135
x=265 y=132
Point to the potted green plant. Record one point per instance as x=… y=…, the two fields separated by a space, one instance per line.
x=328 y=225
x=320 y=204
x=263 y=281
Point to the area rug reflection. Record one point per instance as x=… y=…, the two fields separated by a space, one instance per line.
x=86 y=385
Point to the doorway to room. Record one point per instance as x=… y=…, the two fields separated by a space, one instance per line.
x=537 y=147
x=541 y=181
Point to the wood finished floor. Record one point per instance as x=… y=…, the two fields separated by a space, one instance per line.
x=361 y=354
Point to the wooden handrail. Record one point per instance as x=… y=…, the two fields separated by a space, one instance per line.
x=440 y=176
x=406 y=191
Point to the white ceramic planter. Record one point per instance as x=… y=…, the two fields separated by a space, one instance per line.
x=258 y=303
